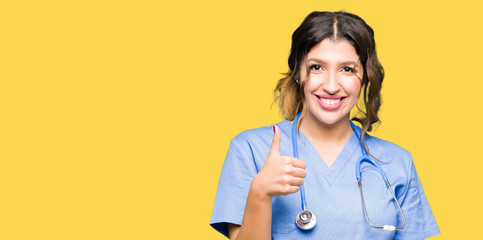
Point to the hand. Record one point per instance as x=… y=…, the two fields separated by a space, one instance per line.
x=280 y=175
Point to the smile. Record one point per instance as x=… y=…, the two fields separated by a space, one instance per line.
x=330 y=102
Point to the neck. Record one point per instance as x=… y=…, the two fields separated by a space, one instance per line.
x=321 y=132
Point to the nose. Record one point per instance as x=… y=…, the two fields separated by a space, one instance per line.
x=331 y=83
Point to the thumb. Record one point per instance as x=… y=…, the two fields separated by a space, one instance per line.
x=275 y=148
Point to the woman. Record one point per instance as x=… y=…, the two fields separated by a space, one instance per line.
x=332 y=62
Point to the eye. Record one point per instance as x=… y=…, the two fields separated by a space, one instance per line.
x=348 y=69
x=315 y=68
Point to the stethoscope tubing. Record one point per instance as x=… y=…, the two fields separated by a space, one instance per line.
x=307 y=224
x=296 y=155
x=365 y=157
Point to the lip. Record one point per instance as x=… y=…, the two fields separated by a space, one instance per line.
x=330 y=107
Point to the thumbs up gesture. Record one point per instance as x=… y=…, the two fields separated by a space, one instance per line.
x=280 y=175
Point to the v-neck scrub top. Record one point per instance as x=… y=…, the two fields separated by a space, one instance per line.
x=331 y=192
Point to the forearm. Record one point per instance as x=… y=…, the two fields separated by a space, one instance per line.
x=257 y=219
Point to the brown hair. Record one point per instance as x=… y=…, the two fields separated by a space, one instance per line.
x=317 y=26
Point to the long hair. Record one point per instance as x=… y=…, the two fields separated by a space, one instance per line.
x=317 y=26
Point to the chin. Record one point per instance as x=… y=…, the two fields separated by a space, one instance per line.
x=328 y=120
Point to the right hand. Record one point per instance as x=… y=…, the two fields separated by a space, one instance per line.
x=280 y=175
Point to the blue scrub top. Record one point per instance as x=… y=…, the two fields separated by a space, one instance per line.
x=331 y=193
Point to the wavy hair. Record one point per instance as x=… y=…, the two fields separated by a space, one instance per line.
x=317 y=26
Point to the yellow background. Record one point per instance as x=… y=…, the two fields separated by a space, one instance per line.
x=115 y=116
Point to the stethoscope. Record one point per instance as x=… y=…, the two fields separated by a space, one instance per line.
x=306 y=219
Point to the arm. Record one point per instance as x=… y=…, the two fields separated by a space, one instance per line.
x=257 y=219
x=420 y=218
x=280 y=175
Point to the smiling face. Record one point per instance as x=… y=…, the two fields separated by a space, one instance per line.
x=333 y=86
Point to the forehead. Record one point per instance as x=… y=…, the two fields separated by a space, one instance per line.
x=333 y=51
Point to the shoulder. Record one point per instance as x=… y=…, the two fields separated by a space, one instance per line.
x=396 y=161
x=257 y=135
x=255 y=143
x=250 y=147
x=388 y=151
x=253 y=134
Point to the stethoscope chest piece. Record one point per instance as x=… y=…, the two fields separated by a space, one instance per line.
x=306 y=220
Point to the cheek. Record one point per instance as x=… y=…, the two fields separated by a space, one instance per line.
x=356 y=89
x=352 y=86
x=309 y=86
x=307 y=90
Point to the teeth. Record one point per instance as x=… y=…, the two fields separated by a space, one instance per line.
x=330 y=101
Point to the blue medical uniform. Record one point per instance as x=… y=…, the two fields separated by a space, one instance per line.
x=331 y=193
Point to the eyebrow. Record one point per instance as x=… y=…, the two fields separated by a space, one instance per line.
x=341 y=63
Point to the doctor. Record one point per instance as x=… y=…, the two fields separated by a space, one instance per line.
x=332 y=62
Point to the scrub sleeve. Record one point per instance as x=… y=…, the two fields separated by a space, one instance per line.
x=420 y=218
x=236 y=176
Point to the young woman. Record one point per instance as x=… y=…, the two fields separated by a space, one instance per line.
x=332 y=62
